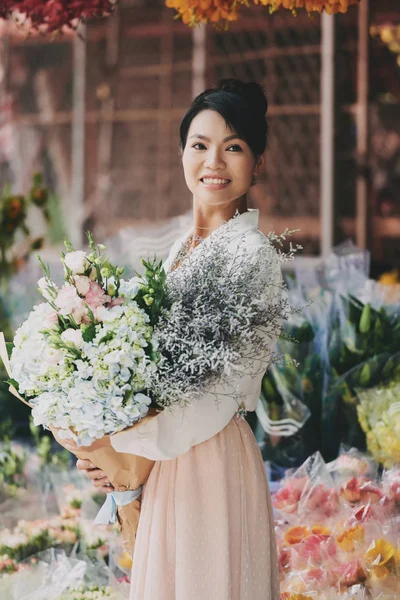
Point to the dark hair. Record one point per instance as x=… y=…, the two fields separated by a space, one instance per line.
x=242 y=105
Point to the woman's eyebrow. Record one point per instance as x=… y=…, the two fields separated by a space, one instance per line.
x=233 y=136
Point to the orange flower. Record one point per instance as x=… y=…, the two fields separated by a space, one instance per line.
x=320 y=530
x=289 y=596
x=194 y=12
x=294 y=535
x=311 y=6
x=346 y=540
x=379 y=553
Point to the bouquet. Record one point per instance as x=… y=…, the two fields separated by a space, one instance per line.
x=103 y=351
x=83 y=358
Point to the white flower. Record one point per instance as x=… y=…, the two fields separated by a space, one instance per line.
x=73 y=336
x=129 y=289
x=77 y=262
x=44 y=288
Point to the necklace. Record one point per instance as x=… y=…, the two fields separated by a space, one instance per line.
x=191 y=243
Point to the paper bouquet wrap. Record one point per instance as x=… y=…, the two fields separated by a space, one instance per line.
x=126 y=472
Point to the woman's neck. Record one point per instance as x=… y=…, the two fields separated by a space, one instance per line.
x=207 y=218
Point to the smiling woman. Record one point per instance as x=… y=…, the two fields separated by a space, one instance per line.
x=206 y=528
x=223 y=137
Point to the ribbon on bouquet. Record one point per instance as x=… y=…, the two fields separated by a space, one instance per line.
x=108 y=512
x=6 y=362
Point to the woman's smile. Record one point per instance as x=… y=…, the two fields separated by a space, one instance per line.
x=214 y=182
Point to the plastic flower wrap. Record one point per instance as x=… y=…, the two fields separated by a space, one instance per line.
x=379 y=416
x=12 y=463
x=353 y=552
x=54 y=576
x=292 y=390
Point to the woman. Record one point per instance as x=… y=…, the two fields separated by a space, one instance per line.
x=206 y=529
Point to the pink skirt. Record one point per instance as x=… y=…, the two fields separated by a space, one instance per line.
x=206 y=528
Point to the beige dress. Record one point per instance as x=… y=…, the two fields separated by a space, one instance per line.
x=206 y=529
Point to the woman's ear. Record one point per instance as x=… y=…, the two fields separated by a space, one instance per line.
x=259 y=164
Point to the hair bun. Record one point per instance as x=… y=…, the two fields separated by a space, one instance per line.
x=252 y=92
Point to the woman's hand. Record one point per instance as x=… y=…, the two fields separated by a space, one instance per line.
x=98 y=478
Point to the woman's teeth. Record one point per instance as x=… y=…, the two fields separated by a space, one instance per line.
x=209 y=181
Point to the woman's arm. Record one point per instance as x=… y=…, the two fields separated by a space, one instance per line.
x=174 y=432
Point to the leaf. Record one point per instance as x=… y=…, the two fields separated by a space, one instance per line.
x=10 y=348
x=14 y=383
x=89 y=333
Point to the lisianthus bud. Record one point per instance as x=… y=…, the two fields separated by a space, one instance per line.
x=111 y=290
x=148 y=300
x=105 y=272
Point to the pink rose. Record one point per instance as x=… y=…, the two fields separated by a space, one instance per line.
x=67 y=299
x=116 y=302
x=316 y=548
x=96 y=296
x=350 y=573
x=51 y=319
x=287 y=498
x=82 y=284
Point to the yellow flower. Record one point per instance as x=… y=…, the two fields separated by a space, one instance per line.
x=391 y=277
x=379 y=554
x=347 y=539
x=311 y=6
x=377 y=573
x=125 y=561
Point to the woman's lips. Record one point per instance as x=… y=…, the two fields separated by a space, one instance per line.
x=215 y=183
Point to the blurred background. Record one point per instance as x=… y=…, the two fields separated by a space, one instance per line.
x=89 y=141
x=98 y=115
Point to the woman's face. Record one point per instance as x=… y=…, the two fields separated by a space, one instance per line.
x=218 y=165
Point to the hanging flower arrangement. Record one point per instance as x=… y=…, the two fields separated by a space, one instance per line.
x=311 y=6
x=222 y=12
x=194 y=12
x=49 y=16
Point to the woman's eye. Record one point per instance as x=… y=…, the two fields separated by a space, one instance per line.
x=235 y=148
x=198 y=146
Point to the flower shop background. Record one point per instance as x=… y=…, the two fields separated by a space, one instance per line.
x=97 y=115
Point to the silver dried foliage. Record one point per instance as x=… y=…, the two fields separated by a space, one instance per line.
x=224 y=309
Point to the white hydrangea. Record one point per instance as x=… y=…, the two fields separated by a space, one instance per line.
x=90 y=387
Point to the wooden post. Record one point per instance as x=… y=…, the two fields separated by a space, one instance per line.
x=165 y=102
x=74 y=207
x=327 y=132
x=362 y=127
x=199 y=60
x=106 y=125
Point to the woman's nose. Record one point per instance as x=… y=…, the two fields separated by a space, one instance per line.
x=214 y=160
